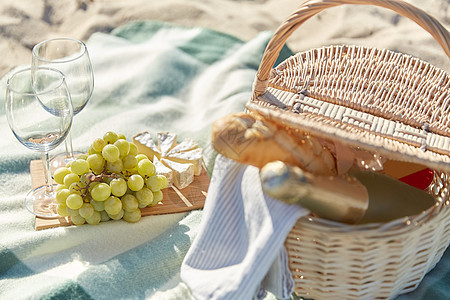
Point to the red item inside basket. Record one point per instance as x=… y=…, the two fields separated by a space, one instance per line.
x=421 y=179
x=415 y=175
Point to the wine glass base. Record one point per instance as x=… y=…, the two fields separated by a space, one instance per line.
x=61 y=159
x=41 y=203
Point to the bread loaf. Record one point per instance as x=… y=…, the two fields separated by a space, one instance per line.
x=252 y=140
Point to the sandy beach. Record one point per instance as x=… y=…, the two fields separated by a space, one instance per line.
x=25 y=23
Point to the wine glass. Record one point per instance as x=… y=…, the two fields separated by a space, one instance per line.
x=40 y=115
x=71 y=57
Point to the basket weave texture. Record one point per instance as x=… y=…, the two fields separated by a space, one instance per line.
x=380 y=101
x=330 y=260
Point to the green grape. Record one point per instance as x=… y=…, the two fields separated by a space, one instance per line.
x=62 y=195
x=77 y=220
x=144 y=197
x=132 y=216
x=75 y=188
x=146 y=168
x=94 y=219
x=121 y=136
x=129 y=202
x=133 y=149
x=98 y=144
x=71 y=178
x=117 y=216
x=157 y=197
x=82 y=156
x=140 y=157
x=61 y=209
x=84 y=178
x=111 y=153
x=107 y=180
x=118 y=187
x=98 y=205
x=135 y=182
x=101 y=192
x=92 y=185
x=124 y=147
x=156 y=182
x=60 y=187
x=129 y=162
x=72 y=212
x=74 y=201
x=96 y=163
x=92 y=151
x=79 y=166
x=60 y=173
x=69 y=164
x=113 y=205
x=82 y=185
x=110 y=137
x=163 y=182
x=114 y=167
x=152 y=183
x=86 y=210
x=104 y=216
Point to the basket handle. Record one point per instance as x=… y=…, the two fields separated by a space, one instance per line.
x=312 y=7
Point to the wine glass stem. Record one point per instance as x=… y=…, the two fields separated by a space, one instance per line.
x=47 y=174
x=69 y=147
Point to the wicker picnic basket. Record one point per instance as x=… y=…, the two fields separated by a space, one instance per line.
x=383 y=102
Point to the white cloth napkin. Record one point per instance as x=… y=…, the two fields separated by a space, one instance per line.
x=239 y=252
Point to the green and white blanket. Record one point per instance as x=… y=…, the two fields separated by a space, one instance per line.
x=148 y=76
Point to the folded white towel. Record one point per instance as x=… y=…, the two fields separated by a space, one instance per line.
x=278 y=280
x=239 y=250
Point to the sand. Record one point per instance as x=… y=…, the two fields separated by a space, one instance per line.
x=25 y=23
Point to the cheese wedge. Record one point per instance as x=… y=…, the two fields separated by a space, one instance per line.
x=161 y=169
x=183 y=174
x=186 y=145
x=178 y=162
x=146 y=145
x=166 y=141
x=193 y=156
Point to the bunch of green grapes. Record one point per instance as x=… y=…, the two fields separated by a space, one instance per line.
x=112 y=181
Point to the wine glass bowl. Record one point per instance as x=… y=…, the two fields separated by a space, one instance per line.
x=71 y=57
x=40 y=116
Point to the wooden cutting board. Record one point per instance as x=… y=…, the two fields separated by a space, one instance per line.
x=174 y=200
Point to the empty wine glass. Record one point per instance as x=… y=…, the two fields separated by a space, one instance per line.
x=71 y=57
x=40 y=115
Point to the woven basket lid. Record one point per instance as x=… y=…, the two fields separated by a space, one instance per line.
x=377 y=100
